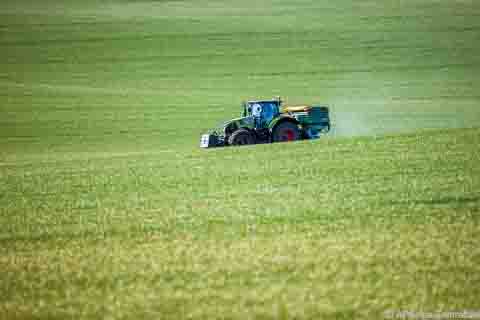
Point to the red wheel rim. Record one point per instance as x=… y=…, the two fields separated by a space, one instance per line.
x=290 y=135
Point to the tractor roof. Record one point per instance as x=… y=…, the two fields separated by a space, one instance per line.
x=262 y=101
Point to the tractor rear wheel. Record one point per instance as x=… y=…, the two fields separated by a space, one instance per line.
x=286 y=131
x=241 y=137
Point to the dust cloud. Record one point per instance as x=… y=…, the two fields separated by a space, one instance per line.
x=373 y=123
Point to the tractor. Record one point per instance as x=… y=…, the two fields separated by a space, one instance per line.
x=267 y=121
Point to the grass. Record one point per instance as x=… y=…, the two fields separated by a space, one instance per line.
x=108 y=209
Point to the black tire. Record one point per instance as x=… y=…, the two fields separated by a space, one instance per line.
x=285 y=131
x=241 y=137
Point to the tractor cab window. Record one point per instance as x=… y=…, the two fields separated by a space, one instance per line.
x=247 y=110
x=257 y=110
x=270 y=110
x=264 y=111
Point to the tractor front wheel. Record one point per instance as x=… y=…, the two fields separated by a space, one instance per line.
x=241 y=137
x=286 y=131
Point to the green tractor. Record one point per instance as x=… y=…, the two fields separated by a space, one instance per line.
x=266 y=121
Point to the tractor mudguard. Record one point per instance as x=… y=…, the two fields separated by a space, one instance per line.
x=280 y=119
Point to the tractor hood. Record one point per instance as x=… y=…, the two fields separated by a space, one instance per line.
x=217 y=136
x=234 y=124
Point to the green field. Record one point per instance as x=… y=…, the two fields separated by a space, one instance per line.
x=109 y=210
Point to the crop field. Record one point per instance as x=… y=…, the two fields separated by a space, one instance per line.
x=109 y=209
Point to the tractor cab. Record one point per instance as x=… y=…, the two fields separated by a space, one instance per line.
x=262 y=111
